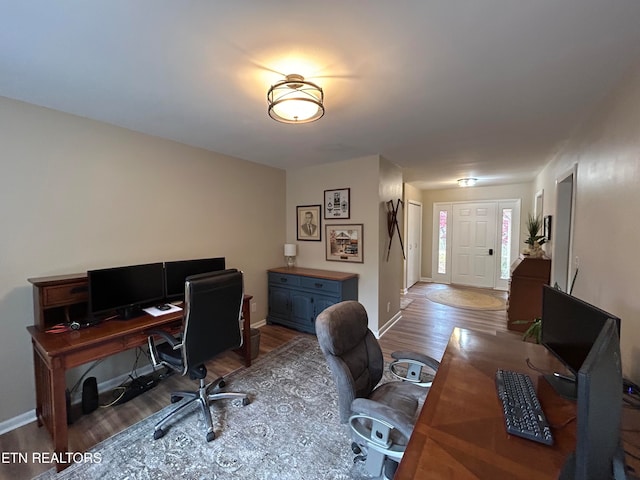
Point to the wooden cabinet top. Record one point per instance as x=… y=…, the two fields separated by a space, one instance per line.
x=57 y=279
x=313 y=272
x=531 y=267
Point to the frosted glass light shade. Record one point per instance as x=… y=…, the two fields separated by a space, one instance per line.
x=289 y=249
x=295 y=100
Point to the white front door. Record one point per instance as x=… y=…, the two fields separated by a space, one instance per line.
x=414 y=240
x=473 y=260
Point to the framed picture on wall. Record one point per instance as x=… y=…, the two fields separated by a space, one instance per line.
x=336 y=203
x=308 y=223
x=344 y=243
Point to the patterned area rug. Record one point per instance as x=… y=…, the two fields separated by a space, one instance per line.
x=467 y=298
x=289 y=431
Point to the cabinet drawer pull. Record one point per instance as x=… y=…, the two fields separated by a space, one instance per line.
x=283 y=279
x=319 y=285
x=79 y=289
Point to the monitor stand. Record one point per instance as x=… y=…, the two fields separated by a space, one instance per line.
x=563 y=387
x=618 y=468
x=127 y=313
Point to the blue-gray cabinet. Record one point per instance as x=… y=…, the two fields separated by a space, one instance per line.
x=298 y=295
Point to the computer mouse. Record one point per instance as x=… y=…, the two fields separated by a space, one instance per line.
x=163 y=307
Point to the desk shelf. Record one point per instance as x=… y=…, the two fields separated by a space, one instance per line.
x=59 y=299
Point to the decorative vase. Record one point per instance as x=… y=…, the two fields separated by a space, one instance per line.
x=536 y=251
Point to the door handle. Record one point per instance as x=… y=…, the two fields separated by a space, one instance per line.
x=491 y=251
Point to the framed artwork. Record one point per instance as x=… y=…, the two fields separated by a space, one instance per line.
x=547 y=227
x=336 y=203
x=344 y=243
x=308 y=223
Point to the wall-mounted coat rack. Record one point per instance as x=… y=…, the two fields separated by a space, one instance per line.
x=392 y=225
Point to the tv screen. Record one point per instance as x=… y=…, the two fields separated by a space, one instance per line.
x=176 y=273
x=570 y=326
x=125 y=289
x=598 y=454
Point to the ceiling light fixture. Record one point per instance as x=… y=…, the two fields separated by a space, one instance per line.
x=467 y=182
x=295 y=100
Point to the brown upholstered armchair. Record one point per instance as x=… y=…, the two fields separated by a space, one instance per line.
x=381 y=417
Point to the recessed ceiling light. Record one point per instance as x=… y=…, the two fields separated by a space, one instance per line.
x=467 y=182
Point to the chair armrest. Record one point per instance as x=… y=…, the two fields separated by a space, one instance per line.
x=415 y=363
x=153 y=352
x=170 y=339
x=383 y=414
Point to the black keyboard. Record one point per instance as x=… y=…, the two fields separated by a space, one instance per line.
x=523 y=415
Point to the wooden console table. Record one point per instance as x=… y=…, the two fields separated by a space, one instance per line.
x=63 y=298
x=460 y=433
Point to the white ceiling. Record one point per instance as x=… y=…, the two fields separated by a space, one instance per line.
x=444 y=88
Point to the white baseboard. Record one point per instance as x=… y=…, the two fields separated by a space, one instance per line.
x=259 y=324
x=388 y=325
x=18 y=421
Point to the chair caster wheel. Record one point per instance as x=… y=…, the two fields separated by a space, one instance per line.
x=175 y=398
x=158 y=433
x=356 y=449
x=221 y=384
x=211 y=436
x=245 y=401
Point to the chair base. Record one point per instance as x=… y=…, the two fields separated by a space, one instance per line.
x=203 y=397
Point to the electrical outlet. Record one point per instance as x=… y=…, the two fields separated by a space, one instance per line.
x=388 y=307
x=254 y=307
x=577 y=262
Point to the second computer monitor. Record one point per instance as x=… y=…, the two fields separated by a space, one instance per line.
x=176 y=272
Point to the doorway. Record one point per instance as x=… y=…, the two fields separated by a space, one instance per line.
x=474 y=243
x=414 y=242
x=563 y=230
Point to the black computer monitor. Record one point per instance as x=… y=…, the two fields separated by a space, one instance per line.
x=598 y=453
x=125 y=290
x=570 y=327
x=176 y=273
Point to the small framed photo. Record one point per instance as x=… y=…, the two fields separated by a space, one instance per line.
x=547 y=227
x=336 y=203
x=309 y=223
x=344 y=243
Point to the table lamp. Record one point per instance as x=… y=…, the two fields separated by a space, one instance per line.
x=290 y=254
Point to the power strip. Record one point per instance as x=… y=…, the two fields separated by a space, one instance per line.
x=137 y=386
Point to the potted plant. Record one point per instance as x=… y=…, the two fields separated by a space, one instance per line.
x=535 y=241
x=534 y=331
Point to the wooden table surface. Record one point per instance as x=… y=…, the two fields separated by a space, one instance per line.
x=460 y=433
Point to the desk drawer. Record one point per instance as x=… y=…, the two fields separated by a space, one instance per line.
x=68 y=294
x=283 y=279
x=320 y=284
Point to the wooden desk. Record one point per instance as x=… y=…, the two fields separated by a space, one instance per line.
x=53 y=354
x=460 y=433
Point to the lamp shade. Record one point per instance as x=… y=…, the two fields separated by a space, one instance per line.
x=289 y=249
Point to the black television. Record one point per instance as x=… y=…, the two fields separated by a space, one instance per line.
x=176 y=272
x=125 y=290
x=598 y=454
x=570 y=327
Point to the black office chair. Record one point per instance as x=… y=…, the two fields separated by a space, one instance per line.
x=381 y=417
x=212 y=325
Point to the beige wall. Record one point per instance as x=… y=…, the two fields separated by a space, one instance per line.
x=606 y=150
x=76 y=194
x=371 y=179
x=390 y=270
x=522 y=191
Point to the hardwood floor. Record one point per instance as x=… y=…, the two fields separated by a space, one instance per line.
x=424 y=327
